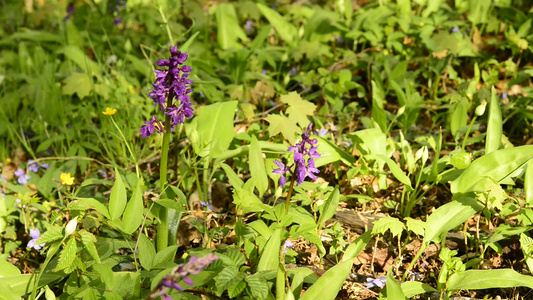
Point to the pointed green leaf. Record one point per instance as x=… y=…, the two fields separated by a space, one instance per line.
x=329 y=284
x=286 y=30
x=270 y=256
x=215 y=127
x=328 y=209
x=146 y=252
x=449 y=216
x=88 y=240
x=228 y=29
x=117 y=200
x=133 y=215
x=494 y=124
x=257 y=167
x=488 y=279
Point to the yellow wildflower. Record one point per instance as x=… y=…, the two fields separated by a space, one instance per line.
x=66 y=179
x=109 y=111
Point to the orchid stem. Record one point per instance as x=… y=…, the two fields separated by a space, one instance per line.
x=289 y=195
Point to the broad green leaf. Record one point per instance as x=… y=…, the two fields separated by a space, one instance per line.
x=146 y=252
x=236 y=288
x=80 y=58
x=117 y=200
x=459 y=116
x=493 y=167
x=357 y=246
x=106 y=274
x=488 y=279
x=393 y=290
x=77 y=83
x=257 y=167
x=228 y=29
x=330 y=153
x=67 y=255
x=330 y=283
x=328 y=209
x=270 y=257
x=52 y=234
x=479 y=11
x=133 y=215
x=528 y=183
x=19 y=285
x=396 y=171
x=88 y=240
x=416 y=226
x=494 y=125
x=395 y=226
x=286 y=30
x=299 y=110
x=285 y=126
x=7 y=269
x=215 y=127
x=449 y=216
x=413 y=288
x=165 y=255
x=370 y=141
x=127 y=284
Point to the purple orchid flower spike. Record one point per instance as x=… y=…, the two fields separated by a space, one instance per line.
x=171 y=281
x=170 y=92
x=304 y=160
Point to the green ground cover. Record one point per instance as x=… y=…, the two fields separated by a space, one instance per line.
x=266 y=149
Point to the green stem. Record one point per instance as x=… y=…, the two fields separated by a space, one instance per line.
x=137 y=170
x=288 y=202
x=162 y=228
x=468 y=131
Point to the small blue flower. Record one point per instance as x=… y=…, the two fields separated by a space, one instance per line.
x=35 y=234
x=288 y=244
x=379 y=282
x=22 y=177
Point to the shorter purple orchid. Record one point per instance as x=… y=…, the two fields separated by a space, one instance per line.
x=171 y=282
x=22 y=178
x=151 y=126
x=304 y=160
x=35 y=234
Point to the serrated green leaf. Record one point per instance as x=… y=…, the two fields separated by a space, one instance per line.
x=395 y=226
x=258 y=286
x=299 y=110
x=117 y=200
x=285 y=126
x=77 y=83
x=67 y=255
x=236 y=289
x=232 y=258
x=416 y=226
x=76 y=264
x=257 y=167
x=78 y=205
x=88 y=240
x=52 y=234
x=225 y=278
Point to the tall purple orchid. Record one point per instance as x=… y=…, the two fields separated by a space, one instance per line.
x=171 y=91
